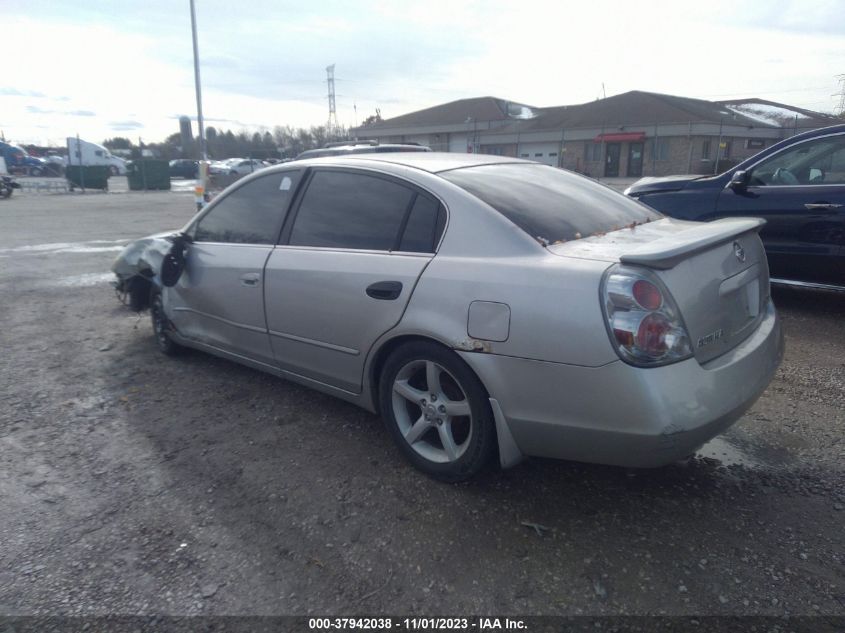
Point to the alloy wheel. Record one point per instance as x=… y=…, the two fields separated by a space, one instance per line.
x=432 y=411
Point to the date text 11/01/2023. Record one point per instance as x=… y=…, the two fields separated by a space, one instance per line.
x=417 y=624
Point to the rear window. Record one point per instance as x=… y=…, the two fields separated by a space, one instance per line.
x=550 y=204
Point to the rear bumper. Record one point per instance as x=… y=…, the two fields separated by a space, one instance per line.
x=628 y=416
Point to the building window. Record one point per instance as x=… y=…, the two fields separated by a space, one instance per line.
x=552 y=154
x=538 y=154
x=755 y=143
x=705 y=149
x=524 y=156
x=660 y=147
x=592 y=152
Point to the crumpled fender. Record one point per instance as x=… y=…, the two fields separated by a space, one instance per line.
x=143 y=257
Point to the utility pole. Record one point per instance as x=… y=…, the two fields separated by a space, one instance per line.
x=840 y=110
x=332 y=126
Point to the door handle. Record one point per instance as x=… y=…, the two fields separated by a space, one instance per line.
x=822 y=206
x=250 y=279
x=385 y=290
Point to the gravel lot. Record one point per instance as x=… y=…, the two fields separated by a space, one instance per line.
x=137 y=484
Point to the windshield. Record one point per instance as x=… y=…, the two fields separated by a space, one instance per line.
x=550 y=204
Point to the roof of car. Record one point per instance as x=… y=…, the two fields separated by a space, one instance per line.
x=362 y=148
x=433 y=162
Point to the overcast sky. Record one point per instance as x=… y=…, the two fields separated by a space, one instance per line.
x=105 y=68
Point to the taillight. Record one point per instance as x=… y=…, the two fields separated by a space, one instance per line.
x=644 y=323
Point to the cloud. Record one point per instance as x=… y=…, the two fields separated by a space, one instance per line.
x=14 y=92
x=37 y=110
x=123 y=126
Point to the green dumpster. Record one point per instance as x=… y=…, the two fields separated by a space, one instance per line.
x=88 y=176
x=148 y=174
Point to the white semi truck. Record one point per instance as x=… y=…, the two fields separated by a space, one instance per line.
x=85 y=153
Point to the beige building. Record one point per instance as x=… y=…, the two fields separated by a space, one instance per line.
x=628 y=135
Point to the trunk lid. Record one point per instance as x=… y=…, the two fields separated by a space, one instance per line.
x=716 y=272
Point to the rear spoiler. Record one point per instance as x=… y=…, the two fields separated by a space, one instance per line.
x=668 y=251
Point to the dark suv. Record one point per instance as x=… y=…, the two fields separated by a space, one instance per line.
x=361 y=147
x=797 y=186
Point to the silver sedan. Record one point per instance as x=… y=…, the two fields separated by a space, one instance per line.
x=487 y=307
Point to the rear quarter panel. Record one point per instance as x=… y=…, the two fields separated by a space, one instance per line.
x=555 y=314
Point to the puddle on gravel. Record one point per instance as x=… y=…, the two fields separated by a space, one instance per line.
x=727 y=453
x=735 y=453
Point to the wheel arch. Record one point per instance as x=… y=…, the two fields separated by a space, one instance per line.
x=386 y=348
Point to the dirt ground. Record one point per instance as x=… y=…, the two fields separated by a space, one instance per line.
x=134 y=483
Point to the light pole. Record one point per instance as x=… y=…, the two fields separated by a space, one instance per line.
x=199 y=190
x=197 y=81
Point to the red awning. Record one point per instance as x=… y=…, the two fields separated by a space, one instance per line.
x=616 y=137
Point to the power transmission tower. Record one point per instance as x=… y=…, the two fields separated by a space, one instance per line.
x=840 y=110
x=332 y=111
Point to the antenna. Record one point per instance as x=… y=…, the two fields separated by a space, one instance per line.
x=332 y=126
x=603 y=93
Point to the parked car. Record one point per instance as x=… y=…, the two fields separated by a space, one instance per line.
x=55 y=163
x=361 y=147
x=183 y=168
x=797 y=186
x=482 y=304
x=236 y=166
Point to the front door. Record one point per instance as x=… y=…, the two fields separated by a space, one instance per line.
x=800 y=192
x=611 y=160
x=635 y=160
x=345 y=271
x=219 y=299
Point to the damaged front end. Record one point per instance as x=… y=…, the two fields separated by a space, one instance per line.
x=138 y=268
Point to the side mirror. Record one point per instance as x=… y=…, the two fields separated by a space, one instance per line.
x=739 y=180
x=174 y=262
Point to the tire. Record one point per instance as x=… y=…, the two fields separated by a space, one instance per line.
x=161 y=326
x=114 y=170
x=447 y=430
x=5 y=192
x=36 y=171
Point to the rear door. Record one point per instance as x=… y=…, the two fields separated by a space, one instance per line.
x=219 y=299
x=800 y=192
x=350 y=257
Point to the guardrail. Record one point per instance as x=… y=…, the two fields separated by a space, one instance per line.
x=43 y=185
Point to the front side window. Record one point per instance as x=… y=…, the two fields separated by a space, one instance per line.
x=351 y=210
x=251 y=214
x=817 y=162
x=550 y=204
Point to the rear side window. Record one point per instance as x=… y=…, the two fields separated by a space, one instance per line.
x=550 y=204
x=351 y=210
x=251 y=214
x=425 y=224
